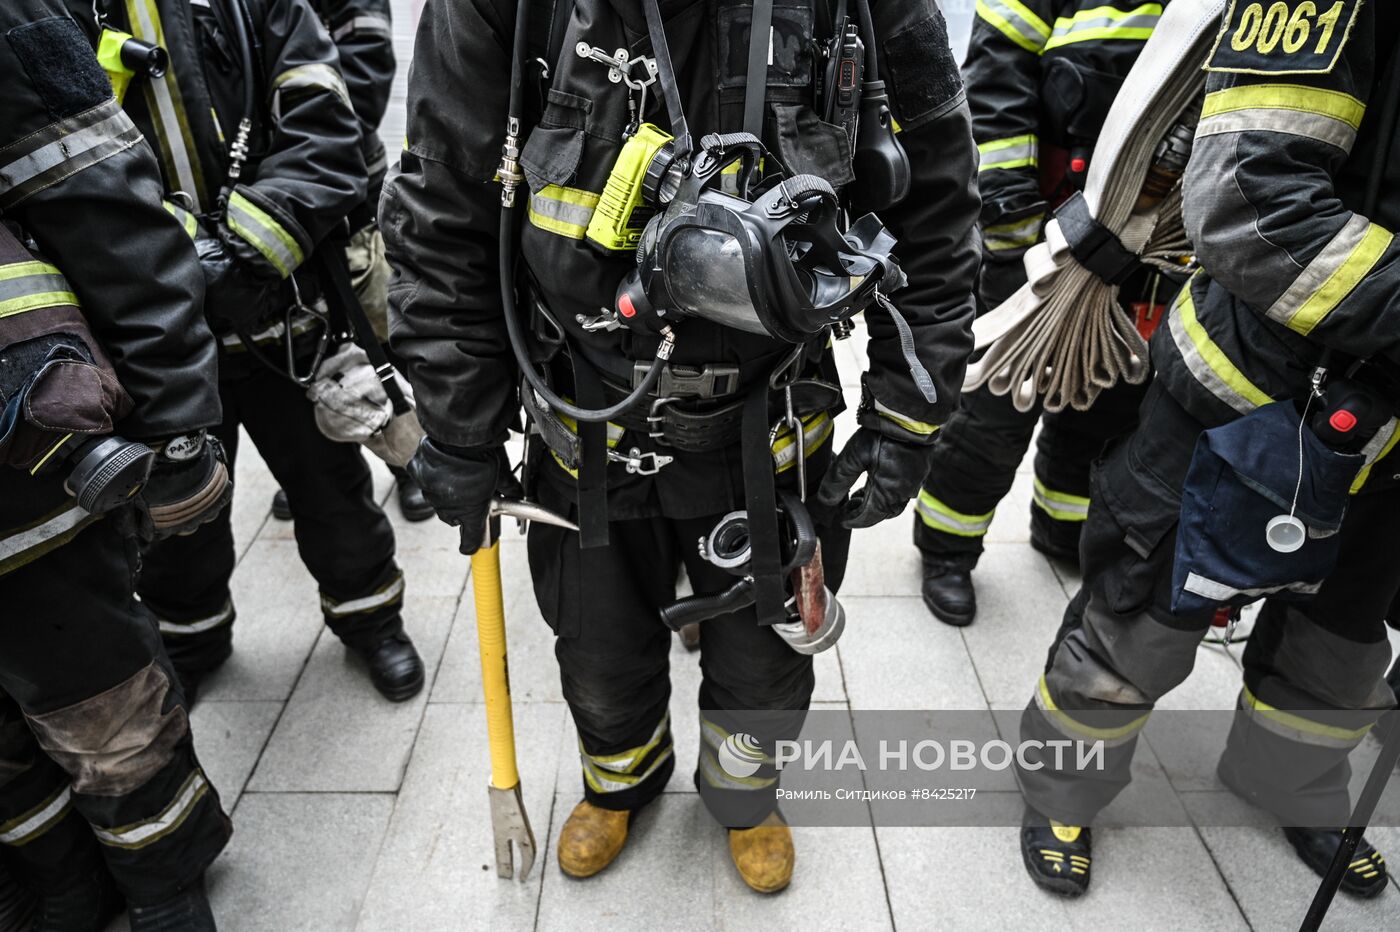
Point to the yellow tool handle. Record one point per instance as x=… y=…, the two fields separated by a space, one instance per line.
x=495 y=682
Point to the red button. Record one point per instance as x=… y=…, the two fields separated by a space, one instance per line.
x=1078 y=165
x=1342 y=421
x=624 y=305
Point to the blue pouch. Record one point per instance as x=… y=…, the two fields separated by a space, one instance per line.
x=1243 y=475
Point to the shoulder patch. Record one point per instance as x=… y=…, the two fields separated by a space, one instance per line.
x=923 y=73
x=1283 y=36
x=61 y=65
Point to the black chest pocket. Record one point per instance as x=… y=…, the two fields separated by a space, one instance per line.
x=791 y=50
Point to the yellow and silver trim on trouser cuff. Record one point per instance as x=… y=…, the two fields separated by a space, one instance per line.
x=26 y=544
x=1077 y=730
x=1011 y=152
x=614 y=773
x=1062 y=506
x=939 y=517
x=27 y=826
x=1294 y=726
x=390 y=594
x=219 y=619
x=149 y=831
x=733 y=761
x=264 y=233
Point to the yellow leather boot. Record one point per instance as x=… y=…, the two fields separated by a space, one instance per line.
x=591 y=839
x=764 y=854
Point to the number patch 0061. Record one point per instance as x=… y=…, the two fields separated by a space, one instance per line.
x=1284 y=36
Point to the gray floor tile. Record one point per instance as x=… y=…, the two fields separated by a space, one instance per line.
x=436 y=870
x=1020 y=607
x=664 y=878
x=1274 y=887
x=229 y=737
x=383 y=485
x=298 y=861
x=883 y=561
x=338 y=734
x=252 y=500
x=895 y=656
x=279 y=620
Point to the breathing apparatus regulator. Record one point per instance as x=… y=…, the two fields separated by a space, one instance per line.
x=769 y=259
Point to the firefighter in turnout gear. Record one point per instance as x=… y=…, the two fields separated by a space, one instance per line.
x=652 y=485
x=101 y=795
x=1041 y=76
x=1298 y=290
x=261 y=159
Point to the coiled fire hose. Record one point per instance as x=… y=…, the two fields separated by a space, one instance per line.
x=1063 y=335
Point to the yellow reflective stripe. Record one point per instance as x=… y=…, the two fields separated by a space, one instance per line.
x=816 y=430
x=1061 y=506
x=922 y=428
x=167 y=107
x=148 y=831
x=1389 y=444
x=1105 y=23
x=187 y=219
x=1207 y=361
x=1298 y=97
x=25 y=286
x=391 y=593
x=940 y=517
x=1074 y=727
x=316 y=76
x=1364 y=252
x=1289 y=725
x=1012 y=152
x=562 y=211
x=1014 y=235
x=1016 y=21
x=28 y=826
x=264 y=233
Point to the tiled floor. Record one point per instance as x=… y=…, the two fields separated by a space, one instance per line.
x=352 y=813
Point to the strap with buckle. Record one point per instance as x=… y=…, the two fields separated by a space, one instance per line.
x=708 y=381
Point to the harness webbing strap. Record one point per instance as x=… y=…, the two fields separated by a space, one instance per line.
x=756 y=87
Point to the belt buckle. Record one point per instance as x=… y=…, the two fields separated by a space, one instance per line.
x=710 y=381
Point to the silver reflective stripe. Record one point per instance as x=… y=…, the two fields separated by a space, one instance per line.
x=386 y=596
x=43 y=283
x=56 y=526
x=1292 y=726
x=304 y=322
x=1017 y=234
x=1016 y=21
x=1019 y=154
x=368 y=24
x=626 y=760
x=1321 y=270
x=36 y=821
x=1106 y=26
x=378 y=162
x=712 y=739
x=264 y=233
x=177 y=628
x=170 y=119
x=63 y=148
x=1317 y=126
x=554 y=209
x=140 y=834
x=602 y=782
x=1216 y=591
x=939 y=516
x=1202 y=371
x=307 y=77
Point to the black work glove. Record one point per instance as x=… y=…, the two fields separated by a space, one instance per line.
x=459 y=483
x=894 y=470
x=189 y=485
x=236 y=294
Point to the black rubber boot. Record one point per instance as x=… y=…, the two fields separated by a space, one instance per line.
x=395 y=667
x=1056 y=856
x=88 y=905
x=1366 y=875
x=186 y=911
x=412 y=504
x=280 y=509
x=948 y=593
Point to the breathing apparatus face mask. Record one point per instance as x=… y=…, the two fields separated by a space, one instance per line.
x=775 y=264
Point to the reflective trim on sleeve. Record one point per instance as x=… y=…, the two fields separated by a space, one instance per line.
x=303 y=323
x=265 y=234
x=613 y=773
x=148 y=831
x=63 y=148
x=1295 y=727
x=1011 y=152
x=1017 y=234
x=1105 y=23
x=816 y=431
x=223 y=617
x=187 y=220
x=173 y=134
x=317 y=77
x=1323 y=128
x=25 y=286
x=368 y=24
x=562 y=211
x=1016 y=21
x=1217 y=591
x=28 y=826
x=1061 y=506
x=1207 y=361
x=390 y=594
x=1068 y=726
x=922 y=428
x=1295 y=98
x=940 y=517
x=26 y=544
x=1332 y=275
